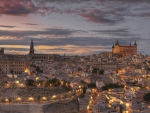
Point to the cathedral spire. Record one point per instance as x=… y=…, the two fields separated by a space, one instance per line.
x=31 y=52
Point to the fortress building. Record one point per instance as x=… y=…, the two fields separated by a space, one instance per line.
x=124 y=50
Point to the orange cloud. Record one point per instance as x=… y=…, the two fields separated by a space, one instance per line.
x=82 y=52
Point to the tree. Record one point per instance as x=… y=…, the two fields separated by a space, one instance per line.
x=81 y=96
x=39 y=70
x=39 y=82
x=82 y=82
x=111 y=86
x=91 y=85
x=146 y=97
x=11 y=71
x=54 y=82
x=46 y=83
x=84 y=89
x=38 y=98
x=9 y=99
x=94 y=70
x=33 y=65
x=121 y=108
x=29 y=82
x=2 y=100
x=101 y=72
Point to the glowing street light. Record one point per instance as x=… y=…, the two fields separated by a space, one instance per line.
x=18 y=99
x=30 y=99
x=54 y=96
x=37 y=78
x=17 y=82
x=7 y=100
x=44 y=99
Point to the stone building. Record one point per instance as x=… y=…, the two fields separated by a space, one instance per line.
x=41 y=57
x=17 y=64
x=12 y=63
x=124 y=50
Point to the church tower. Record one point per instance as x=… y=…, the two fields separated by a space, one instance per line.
x=135 y=48
x=117 y=47
x=31 y=52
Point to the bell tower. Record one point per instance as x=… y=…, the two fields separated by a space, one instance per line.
x=31 y=52
x=135 y=48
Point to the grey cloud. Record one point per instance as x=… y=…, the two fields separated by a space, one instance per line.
x=16 y=49
x=7 y=26
x=145 y=14
x=30 y=24
x=66 y=37
x=79 y=1
x=27 y=49
x=124 y=32
x=108 y=13
x=57 y=32
x=77 y=41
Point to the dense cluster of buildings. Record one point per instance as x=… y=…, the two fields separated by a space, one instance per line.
x=17 y=64
x=122 y=66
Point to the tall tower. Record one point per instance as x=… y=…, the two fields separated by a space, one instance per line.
x=135 y=48
x=113 y=47
x=117 y=47
x=31 y=52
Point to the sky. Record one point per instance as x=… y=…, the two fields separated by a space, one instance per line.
x=73 y=27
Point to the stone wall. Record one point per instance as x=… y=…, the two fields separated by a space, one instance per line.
x=62 y=107
x=6 y=108
x=56 y=107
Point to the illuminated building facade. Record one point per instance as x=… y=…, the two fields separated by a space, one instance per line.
x=124 y=50
x=12 y=63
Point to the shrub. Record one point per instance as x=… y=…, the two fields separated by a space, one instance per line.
x=29 y=82
x=91 y=85
x=111 y=86
x=146 y=97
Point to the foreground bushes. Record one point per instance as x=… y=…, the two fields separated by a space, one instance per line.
x=112 y=86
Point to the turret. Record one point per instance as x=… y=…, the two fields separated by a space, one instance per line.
x=113 y=46
x=117 y=43
x=135 y=44
x=135 y=48
x=2 y=51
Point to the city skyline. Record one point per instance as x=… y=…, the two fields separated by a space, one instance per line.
x=73 y=27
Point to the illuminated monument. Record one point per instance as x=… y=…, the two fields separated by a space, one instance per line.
x=41 y=57
x=124 y=50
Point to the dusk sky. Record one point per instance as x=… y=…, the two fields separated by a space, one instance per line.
x=73 y=27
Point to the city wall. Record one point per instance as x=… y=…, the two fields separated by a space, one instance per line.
x=56 y=107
